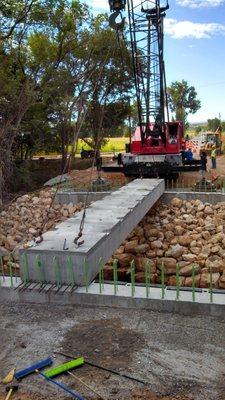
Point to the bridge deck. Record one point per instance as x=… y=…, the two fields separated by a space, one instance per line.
x=108 y=222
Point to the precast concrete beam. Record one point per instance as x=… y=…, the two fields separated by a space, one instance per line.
x=107 y=224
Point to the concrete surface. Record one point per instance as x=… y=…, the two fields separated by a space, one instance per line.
x=178 y=357
x=104 y=296
x=108 y=222
x=212 y=198
x=69 y=196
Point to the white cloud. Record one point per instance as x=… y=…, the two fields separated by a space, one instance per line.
x=188 y=29
x=200 y=3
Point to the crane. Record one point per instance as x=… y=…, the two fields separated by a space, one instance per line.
x=157 y=147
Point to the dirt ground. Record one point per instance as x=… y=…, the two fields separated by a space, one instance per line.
x=177 y=357
x=80 y=179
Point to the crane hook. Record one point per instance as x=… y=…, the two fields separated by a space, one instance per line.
x=118 y=26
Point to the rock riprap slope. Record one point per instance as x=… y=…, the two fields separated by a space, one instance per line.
x=184 y=233
x=23 y=219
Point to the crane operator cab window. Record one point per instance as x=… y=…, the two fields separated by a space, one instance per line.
x=173 y=134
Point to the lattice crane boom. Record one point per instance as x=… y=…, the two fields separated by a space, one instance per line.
x=147 y=39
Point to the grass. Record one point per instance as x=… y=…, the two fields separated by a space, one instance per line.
x=112 y=145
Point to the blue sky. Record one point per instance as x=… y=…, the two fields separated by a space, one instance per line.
x=195 y=50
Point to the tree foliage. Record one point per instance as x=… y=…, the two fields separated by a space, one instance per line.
x=61 y=76
x=183 y=100
x=214 y=124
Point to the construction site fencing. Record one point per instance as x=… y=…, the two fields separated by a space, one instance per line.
x=183 y=183
x=11 y=275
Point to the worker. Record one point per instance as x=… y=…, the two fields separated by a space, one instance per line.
x=189 y=155
x=203 y=155
x=213 y=156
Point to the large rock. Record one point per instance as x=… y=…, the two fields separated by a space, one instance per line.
x=196 y=250
x=129 y=247
x=208 y=210
x=141 y=248
x=140 y=277
x=185 y=240
x=175 y=251
x=179 y=230
x=143 y=263
x=168 y=263
x=120 y=250
x=4 y=252
x=206 y=235
x=188 y=270
x=157 y=244
x=151 y=233
x=216 y=249
x=124 y=259
x=205 y=280
x=189 y=257
x=215 y=264
x=172 y=281
x=222 y=282
x=189 y=281
x=177 y=202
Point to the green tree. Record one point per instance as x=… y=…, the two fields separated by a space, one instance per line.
x=33 y=49
x=107 y=102
x=183 y=100
x=214 y=124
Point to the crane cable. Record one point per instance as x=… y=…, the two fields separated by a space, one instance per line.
x=77 y=240
x=39 y=239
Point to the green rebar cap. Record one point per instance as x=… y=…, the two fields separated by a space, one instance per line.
x=64 y=367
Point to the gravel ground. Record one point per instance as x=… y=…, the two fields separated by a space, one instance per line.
x=178 y=357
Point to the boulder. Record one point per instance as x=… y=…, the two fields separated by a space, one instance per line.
x=168 y=263
x=205 y=280
x=141 y=249
x=215 y=263
x=216 y=249
x=129 y=247
x=151 y=232
x=151 y=254
x=169 y=235
x=175 y=251
x=196 y=250
x=189 y=281
x=157 y=244
x=172 y=281
x=222 y=282
x=120 y=250
x=140 y=277
x=4 y=252
x=177 y=202
x=143 y=263
x=201 y=207
x=124 y=259
x=206 y=235
x=188 y=270
x=208 y=210
x=179 y=230
x=184 y=240
x=189 y=257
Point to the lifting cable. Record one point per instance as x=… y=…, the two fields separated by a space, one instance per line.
x=39 y=239
x=77 y=240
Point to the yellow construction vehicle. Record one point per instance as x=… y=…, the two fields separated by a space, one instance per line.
x=210 y=139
